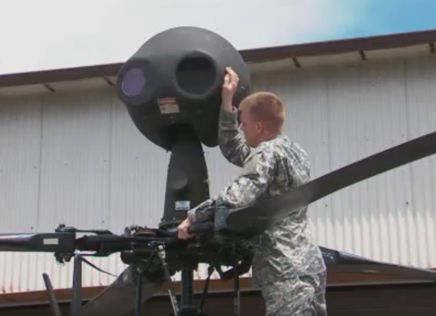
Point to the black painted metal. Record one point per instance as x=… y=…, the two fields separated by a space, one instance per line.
x=49 y=242
x=205 y=289
x=51 y=296
x=138 y=301
x=340 y=261
x=187 y=307
x=187 y=180
x=175 y=78
x=76 y=303
x=236 y=296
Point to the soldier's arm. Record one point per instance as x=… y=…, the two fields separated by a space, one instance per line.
x=258 y=173
x=202 y=212
x=230 y=139
x=231 y=142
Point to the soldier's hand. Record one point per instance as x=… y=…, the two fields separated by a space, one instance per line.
x=229 y=87
x=183 y=229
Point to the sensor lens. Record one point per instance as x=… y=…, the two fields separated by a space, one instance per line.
x=133 y=82
x=195 y=75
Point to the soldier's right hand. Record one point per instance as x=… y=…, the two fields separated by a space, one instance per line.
x=229 y=87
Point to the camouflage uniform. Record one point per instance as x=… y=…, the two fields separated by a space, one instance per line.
x=287 y=265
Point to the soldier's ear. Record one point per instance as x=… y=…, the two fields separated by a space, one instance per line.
x=259 y=127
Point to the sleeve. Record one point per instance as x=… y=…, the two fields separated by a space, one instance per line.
x=258 y=174
x=202 y=212
x=230 y=139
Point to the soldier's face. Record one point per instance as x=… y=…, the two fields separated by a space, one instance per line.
x=251 y=128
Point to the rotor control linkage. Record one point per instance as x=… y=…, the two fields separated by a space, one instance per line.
x=76 y=308
x=51 y=296
x=210 y=270
x=162 y=256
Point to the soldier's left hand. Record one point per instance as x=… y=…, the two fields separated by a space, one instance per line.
x=183 y=229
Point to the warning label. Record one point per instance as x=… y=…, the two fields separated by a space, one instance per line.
x=168 y=105
x=183 y=205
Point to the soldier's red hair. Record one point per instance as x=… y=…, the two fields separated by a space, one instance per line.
x=265 y=107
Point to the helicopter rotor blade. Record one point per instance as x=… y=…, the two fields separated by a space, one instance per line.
x=339 y=261
x=255 y=219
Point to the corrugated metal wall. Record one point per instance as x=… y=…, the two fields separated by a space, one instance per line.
x=341 y=114
x=75 y=157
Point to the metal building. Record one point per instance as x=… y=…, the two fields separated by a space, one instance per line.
x=69 y=152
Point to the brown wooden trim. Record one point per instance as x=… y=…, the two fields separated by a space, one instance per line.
x=249 y=55
x=89 y=292
x=36 y=77
x=334 y=279
x=341 y=46
x=415 y=299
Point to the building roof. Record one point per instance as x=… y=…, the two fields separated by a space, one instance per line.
x=360 y=47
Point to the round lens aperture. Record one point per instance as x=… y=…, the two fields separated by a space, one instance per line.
x=195 y=75
x=133 y=82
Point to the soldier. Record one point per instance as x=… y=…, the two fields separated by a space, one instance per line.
x=287 y=265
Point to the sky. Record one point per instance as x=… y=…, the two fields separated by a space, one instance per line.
x=52 y=34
